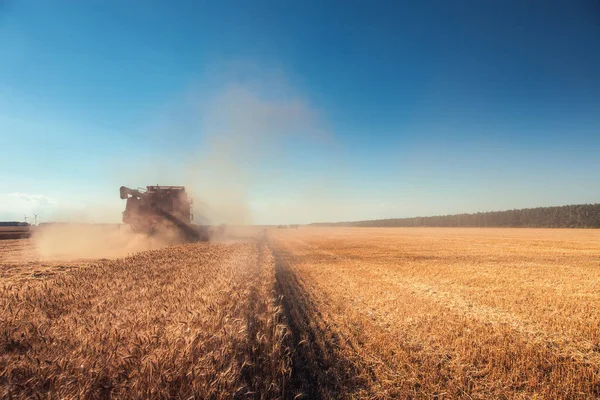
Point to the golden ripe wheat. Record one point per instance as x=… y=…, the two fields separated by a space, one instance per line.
x=313 y=312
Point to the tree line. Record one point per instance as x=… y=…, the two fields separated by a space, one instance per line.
x=571 y=216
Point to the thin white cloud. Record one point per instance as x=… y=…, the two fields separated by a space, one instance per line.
x=32 y=199
x=17 y=205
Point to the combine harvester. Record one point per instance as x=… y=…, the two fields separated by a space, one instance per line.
x=161 y=210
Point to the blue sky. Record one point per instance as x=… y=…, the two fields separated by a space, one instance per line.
x=299 y=111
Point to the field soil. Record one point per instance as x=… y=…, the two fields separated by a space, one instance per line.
x=308 y=313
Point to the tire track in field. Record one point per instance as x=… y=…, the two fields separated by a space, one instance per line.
x=318 y=369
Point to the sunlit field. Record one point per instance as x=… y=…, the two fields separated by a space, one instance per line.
x=473 y=313
x=310 y=313
x=194 y=320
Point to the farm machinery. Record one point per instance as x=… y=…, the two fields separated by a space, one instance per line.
x=161 y=209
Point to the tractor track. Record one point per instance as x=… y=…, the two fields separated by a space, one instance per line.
x=318 y=369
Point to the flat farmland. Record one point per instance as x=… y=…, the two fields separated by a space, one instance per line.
x=445 y=313
x=189 y=321
x=306 y=313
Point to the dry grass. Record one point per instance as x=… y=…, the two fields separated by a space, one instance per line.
x=323 y=313
x=448 y=313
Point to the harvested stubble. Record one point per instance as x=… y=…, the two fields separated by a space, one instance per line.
x=193 y=320
x=445 y=313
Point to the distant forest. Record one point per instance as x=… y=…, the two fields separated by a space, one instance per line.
x=573 y=216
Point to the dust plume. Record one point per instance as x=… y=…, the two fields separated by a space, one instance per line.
x=242 y=129
x=88 y=241
x=243 y=142
x=236 y=147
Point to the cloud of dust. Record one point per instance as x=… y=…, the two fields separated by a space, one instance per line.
x=239 y=140
x=246 y=138
x=235 y=139
x=249 y=151
x=89 y=241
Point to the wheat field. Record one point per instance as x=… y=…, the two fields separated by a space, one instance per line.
x=195 y=320
x=310 y=313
